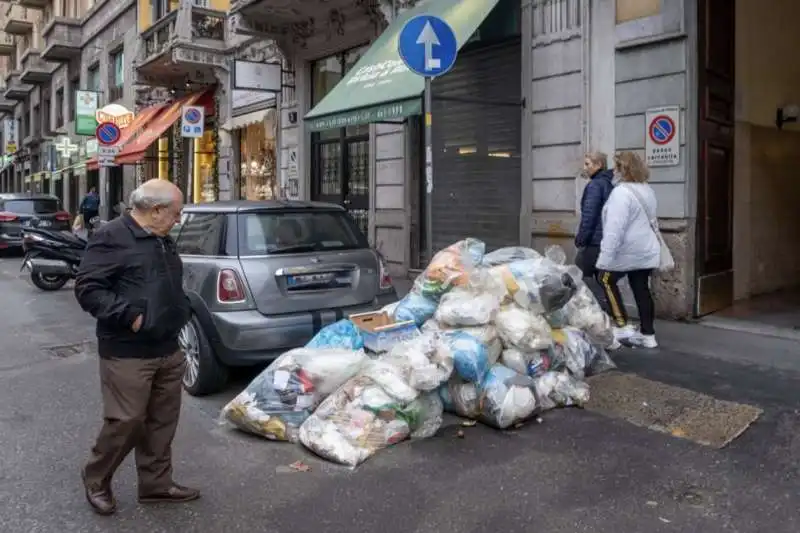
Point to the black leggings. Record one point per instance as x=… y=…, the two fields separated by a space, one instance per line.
x=639 y=281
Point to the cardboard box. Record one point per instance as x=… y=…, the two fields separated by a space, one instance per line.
x=381 y=332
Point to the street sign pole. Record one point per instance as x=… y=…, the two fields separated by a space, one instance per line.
x=428 y=110
x=428 y=47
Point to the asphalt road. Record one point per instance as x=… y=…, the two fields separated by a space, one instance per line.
x=577 y=472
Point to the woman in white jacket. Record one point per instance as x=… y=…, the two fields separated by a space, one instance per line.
x=630 y=248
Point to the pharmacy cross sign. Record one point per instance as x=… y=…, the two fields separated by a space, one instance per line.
x=66 y=148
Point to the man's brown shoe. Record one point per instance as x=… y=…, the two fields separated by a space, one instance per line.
x=174 y=494
x=101 y=499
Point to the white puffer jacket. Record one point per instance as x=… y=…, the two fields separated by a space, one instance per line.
x=629 y=242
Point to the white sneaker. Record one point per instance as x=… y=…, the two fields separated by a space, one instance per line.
x=644 y=341
x=625 y=332
x=615 y=345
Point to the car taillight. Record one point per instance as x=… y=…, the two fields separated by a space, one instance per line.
x=386 y=278
x=5 y=216
x=229 y=287
x=62 y=216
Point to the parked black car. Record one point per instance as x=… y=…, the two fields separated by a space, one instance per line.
x=21 y=210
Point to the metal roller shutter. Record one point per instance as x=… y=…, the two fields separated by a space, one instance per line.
x=477 y=126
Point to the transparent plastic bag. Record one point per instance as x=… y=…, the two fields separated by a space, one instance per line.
x=536 y=284
x=462 y=307
x=509 y=254
x=279 y=399
x=558 y=389
x=422 y=365
x=449 y=268
x=342 y=334
x=507 y=397
x=527 y=363
x=522 y=329
x=469 y=354
x=584 y=312
x=355 y=422
x=414 y=306
x=487 y=334
x=573 y=348
x=461 y=398
x=426 y=415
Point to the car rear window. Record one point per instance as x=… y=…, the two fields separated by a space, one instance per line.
x=34 y=206
x=297 y=232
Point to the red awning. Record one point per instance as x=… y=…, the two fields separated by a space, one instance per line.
x=139 y=122
x=135 y=150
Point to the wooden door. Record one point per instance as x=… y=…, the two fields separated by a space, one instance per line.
x=714 y=266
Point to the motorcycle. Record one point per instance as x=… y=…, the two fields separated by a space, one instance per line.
x=53 y=257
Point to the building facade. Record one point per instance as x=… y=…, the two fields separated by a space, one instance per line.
x=506 y=161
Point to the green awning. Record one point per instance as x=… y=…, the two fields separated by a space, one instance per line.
x=379 y=87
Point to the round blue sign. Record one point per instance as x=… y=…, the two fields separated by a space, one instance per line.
x=192 y=116
x=107 y=133
x=662 y=129
x=428 y=45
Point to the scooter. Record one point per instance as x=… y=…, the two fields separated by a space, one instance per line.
x=53 y=257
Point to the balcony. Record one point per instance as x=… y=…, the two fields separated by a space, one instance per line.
x=32 y=139
x=186 y=44
x=15 y=89
x=35 y=70
x=6 y=106
x=62 y=38
x=34 y=4
x=7 y=44
x=18 y=20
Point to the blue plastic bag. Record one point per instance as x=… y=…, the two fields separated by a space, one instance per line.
x=342 y=334
x=469 y=354
x=414 y=307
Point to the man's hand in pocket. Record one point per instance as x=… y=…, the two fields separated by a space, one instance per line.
x=137 y=324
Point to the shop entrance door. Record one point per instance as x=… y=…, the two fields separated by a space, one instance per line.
x=714 y=261
x=340 y=171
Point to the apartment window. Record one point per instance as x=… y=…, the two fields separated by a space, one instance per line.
x=160 y=8
x=59 y=102
x=116 y=76
x=36 y=126
x=93 y=82
x=74 y=86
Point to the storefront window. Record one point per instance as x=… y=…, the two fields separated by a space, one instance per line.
x=340 y=157
x=205 y=159
x=257 y=171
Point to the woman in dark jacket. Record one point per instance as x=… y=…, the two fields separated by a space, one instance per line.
x=590 y=230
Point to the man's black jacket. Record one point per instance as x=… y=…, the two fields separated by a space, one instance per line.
x=127 y=272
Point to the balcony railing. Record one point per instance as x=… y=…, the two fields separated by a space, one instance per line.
x=158 y=37
x=62 y=41
x=7 y=44
x=18 y=20
x=208 y=25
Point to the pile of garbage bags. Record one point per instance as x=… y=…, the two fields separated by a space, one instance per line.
x=503 y=336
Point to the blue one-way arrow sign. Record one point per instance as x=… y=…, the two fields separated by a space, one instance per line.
x=428 y=46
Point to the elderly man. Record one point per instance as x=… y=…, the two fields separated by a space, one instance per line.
x=130 y=280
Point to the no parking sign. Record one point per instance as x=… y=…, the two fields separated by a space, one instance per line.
x=662 y=136
x=192 y=121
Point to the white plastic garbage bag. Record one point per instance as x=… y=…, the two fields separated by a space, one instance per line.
x=572 y=348
x=486 y=334
x=584 y=312
x=421 y=364
x=558 y=389
x=522 y=329
x=463 y=307
x=509 y=254
x=278 y=400
x=536 y=284
x=449 y=268
x=461 y=397
x=507 y=397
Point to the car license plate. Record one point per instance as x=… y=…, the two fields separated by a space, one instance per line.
x=309 y=279
x=45 y=223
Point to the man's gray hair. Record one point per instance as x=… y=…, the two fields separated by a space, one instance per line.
x=144 y=198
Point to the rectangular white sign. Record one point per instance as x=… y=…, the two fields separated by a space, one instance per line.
x=662 y=146
x=193 y=120
x=254 y=76
x=106 y=155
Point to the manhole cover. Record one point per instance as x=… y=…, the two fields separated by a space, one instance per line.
x=68 y=350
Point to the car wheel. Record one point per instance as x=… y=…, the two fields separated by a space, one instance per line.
x=204 y=373
x=48 y=282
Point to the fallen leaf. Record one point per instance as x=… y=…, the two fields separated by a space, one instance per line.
x=665 y=520
x=468 y=423
x=651 y=503
x=299 y=466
